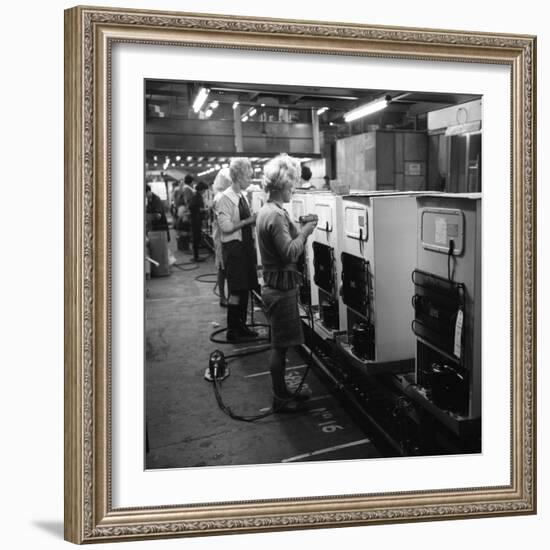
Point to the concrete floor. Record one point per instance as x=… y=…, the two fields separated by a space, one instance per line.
x=185 y=426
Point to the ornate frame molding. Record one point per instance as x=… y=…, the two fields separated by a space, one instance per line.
x=89 y=34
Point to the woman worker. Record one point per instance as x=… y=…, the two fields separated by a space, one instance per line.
x=281 y=243
x=239 y=254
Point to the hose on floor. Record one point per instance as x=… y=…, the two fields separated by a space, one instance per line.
x=217 y=383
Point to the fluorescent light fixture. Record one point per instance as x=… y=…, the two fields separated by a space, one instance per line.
x=322 y=110
x=200 y=99
x=263 y=105
x=252 y=112
x=245 y=118
x=155 y=158
x=235 y=104
x=178 y=158
x=367 y=109
x=215 y=104
x=208 y=113
x=189 y=159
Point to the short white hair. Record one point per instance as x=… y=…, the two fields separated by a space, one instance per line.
x=240 y=169
x=280 y=172
x=222 y=181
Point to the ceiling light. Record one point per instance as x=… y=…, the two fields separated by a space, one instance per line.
x=189 y=159
x=155 y=158
x=200 y=99
x=178 y=158
x=322 y=110
x=155 y=164
x=208 y=113
x=263 y=104
x=215 y=104
x=245 y=118
x=235 y=104
x=253 y=112
x=367 y=109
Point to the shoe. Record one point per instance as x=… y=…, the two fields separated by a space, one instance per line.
x=286 y=406
x=223 y=302
x=248 y=333
x=303 y=395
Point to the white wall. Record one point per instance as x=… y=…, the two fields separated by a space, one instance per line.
x=32 y=269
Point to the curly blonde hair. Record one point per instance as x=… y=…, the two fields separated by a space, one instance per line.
x=240 y=169
x=280 y=172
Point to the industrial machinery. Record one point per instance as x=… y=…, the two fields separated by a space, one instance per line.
x=326 y=246
x=447 y=304
x=301 y=204
x=378 y=256
x=257 y=200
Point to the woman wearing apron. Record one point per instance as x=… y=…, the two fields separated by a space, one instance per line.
x=239 y=255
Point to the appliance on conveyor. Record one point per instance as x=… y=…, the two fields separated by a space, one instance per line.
x=378 y=255
x=447 y=302
x=301 y=204
x=326 y=245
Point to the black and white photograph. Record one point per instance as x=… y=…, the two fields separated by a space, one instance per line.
x=312 y=263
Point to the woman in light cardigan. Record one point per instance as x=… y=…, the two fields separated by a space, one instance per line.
x=238 y=250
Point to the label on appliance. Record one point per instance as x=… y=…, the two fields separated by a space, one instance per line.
x=355 y=222
x=441 y=231
x=458 y=333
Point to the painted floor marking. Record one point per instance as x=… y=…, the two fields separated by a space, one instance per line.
x=316 y=398
x=327 y=450
x=268 y=372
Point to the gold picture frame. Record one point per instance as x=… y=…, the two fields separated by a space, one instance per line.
x=89 y=36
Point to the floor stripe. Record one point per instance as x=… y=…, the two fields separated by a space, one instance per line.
x=268 y=372
x=316 y=398
x=327 y=450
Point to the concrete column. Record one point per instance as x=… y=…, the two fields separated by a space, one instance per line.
x=238 y=129
x=315 y=131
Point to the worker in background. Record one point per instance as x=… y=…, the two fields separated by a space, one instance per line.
x=281 y=244
x=157 y=233
x=196 y=215
x=239 y=254
x=221 y=182
x=305 y=177
x=181 y=197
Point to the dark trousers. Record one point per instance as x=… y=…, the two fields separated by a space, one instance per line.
x=236 y=314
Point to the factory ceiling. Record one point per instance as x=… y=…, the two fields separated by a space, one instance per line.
x=170 y=113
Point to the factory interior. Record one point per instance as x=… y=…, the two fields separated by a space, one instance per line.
x=390 y=293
